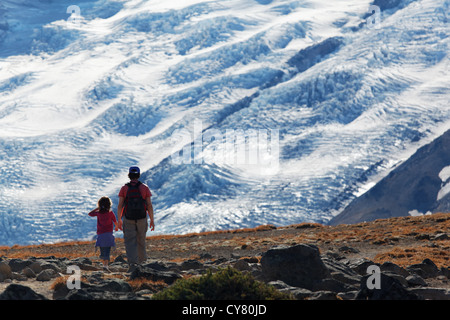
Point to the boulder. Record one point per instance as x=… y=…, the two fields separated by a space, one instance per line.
x=36 y=267
x=242 y=265
x=441 y=237
x=298 y=266
x=360 y=266
x=432 y=293
x=191 y=264
x=5 y=271
x=157 y=265
x=19 y=292
x=53 y=266
x=115 y=285
x=330 y=284
x=45 y=275
x=393 y=268
x=445 y=272
x=297 y=293
x=28 y=272
x=102 y=289
x=415 y=280
x=341 y=272
x=390 y=289
x=17 y=265
x=426 y=269
x=168 y=277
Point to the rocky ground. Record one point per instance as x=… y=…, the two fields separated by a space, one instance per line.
x=310 y=261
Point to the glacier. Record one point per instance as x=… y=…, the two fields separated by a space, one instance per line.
x=85 y=96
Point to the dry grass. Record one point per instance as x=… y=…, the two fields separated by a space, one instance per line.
x=408 y=256
x=146 y=284
x=403 y=240
x=136 y=284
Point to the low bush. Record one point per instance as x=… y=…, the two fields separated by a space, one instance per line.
x=225 y=284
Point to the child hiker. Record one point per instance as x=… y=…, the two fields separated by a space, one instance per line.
x=105 y=223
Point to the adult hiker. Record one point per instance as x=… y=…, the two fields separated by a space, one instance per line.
x=134 y=205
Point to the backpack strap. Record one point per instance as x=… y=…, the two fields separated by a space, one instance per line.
x=130 y=185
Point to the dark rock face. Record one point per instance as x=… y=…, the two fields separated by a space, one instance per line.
x=311 y=55
x=413 y=185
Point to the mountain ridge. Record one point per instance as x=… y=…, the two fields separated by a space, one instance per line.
x=411 y=188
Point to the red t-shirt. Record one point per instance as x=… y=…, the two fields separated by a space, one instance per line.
x=143 y=188
x=104 y=221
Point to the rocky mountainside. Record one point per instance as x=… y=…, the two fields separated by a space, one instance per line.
x=396 y=258
x=418 y=185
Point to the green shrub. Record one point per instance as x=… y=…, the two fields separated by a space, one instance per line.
x=225 y=284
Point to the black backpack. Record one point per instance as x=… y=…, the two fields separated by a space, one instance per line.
x=135 y=205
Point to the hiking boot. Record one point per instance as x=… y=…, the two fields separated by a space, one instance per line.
x=132 y=267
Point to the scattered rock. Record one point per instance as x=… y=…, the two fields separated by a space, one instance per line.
x=168 y=277
x=440 y=237
x=19 y=276
x=323 y=295
x=346 y=249
x=415 y=280
x=423 y=236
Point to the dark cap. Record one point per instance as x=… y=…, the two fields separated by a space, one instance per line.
x=135 y=170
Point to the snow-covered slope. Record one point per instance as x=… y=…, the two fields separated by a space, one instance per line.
x=416 y=187
x=82 y=98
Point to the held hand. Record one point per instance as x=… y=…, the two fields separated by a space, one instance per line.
x=119 y=225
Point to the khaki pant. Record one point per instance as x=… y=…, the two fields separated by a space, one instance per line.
x=134 y=233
